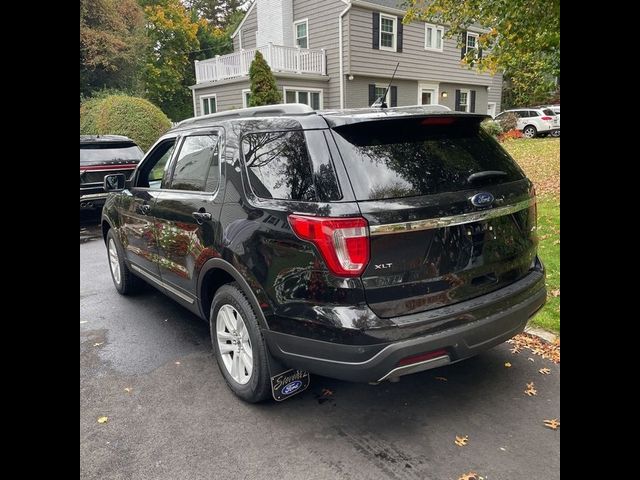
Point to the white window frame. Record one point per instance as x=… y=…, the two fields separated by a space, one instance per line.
x=387 y=99
x=299 y=89
x=435 y=28
x=466 y=46
x=435 y=87
x=395 y=33
x=489 y=104
x=244 y=97
x=206 y=97
x=295 y=32
x=468 y=92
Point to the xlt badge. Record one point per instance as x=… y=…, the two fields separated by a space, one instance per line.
x=382 y=266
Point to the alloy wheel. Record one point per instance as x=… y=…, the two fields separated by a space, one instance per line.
x=114 y=263
x=234 y=344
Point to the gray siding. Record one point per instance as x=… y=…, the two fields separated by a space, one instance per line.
x=248 y=29
x=357 y=91
x=450 y=101
x=229 y=94
x=323 y=33
x=415 y=62
x=495 y=93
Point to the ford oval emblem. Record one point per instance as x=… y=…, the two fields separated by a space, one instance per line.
x=482 y=199
x=291 y=387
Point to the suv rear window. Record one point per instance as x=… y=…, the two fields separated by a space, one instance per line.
x=404 y=158
x=548 y=111
x=104 y=152
x=279 y=166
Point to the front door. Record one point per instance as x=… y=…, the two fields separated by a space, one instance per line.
x=187 y=214
x=427 y=94
x=138 y=233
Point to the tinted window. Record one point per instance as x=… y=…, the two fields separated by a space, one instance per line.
x=548 y=111
x=198 y=156
x=96 y=153
x=279 y=166
x=403 y=158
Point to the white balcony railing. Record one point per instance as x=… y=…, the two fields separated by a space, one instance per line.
x=279 y=58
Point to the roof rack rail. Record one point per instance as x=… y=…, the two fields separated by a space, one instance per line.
x=262 y=111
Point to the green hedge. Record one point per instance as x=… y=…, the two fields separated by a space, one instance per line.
x=134 y=117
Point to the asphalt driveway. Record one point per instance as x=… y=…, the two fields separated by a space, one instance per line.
x=178 y=420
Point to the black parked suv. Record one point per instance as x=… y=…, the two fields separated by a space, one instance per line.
x=101 y=155
x=356 y=244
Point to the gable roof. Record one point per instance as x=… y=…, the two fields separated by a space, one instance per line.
x=246 y=15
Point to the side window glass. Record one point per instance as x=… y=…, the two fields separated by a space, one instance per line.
x=198 y=157
x=153 y=171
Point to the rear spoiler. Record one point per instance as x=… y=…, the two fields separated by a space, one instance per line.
x=439 y=118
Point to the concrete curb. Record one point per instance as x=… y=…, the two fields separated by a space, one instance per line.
x=539 y=332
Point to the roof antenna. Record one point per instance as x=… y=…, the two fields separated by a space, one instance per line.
x=380 y=102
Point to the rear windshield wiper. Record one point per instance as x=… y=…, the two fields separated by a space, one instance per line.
x=485 y=174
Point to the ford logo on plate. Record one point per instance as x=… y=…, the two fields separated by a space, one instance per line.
x=291 y=387
x=482 y=199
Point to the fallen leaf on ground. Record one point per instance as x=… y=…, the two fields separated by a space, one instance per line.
x=550 y=351
x=469 y=476
x=326 y=392
x=515 y=349
x=97 y=344
x=83 y=321
x=530 y=390
x=103 y=419
x=177 y=363
x=461 y=441
x=531 y=359
x=127 y=389
x=552 y=424
x=555 y=293
x=556 y=242
x=507 y=364
x=443 y=379
x=544 y=371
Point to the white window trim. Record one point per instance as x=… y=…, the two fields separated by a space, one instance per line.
x=468 y=92
x=429 y=86
x=495 y=105
x=298 y=89
x=244 y=97
x=387 y=99
x=394 y=48
x=435 y=29
x=203 y=98
x=466 y=45
x=295 y=32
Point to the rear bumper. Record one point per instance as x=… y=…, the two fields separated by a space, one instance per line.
x=465 y=329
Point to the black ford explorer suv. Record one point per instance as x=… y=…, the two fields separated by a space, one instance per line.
x=102 y=155
x=356 y=244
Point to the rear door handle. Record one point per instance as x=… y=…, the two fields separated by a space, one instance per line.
x=201 y=216
x=145 y=209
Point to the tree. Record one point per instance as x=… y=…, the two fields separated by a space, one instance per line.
x=264 y=90
x=219 y=13
x=522 y=39
x=112 y=40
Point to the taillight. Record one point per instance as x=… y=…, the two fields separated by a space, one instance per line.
x=343 y=242
x=547 y=118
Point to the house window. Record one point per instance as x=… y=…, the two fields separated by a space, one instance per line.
x=302 y=33
x=310 y=97
x=464 y=100
x=388 y=32
x=208 y=104
x=380 y=90
x=472 y=43
x=433 y=37
x=246 y=95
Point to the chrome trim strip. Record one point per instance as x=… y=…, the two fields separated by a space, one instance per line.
x=417 y=367
x=430 y=223
x=92 y=196
x=163 y=284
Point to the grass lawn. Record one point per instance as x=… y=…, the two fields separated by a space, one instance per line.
x=540 y=159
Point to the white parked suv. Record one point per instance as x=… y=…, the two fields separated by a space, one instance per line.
x=535 y=121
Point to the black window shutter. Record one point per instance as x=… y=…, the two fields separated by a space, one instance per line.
x=479 y=52
x=473 y=101
x=400 y=34
x=457 y=105
x=464 y=45
x=372 y=94
x=394 y=96
x=376 y=30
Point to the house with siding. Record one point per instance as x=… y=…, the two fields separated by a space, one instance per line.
x=342 y=54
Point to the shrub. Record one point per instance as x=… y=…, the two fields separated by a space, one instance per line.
x=510 y=135
x=133 y=117
x=264 y=90
x=509 y=121
x=491 y=127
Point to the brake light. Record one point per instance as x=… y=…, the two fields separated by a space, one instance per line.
x=342 y=242
x=438 y=121
x=547 y=118
x=421 y=357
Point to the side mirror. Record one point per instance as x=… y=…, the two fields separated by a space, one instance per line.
x=114 y=182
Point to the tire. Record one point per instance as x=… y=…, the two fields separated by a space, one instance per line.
x=529 y=131
x=234 y=329
x=126 y=283
x=555 y=133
